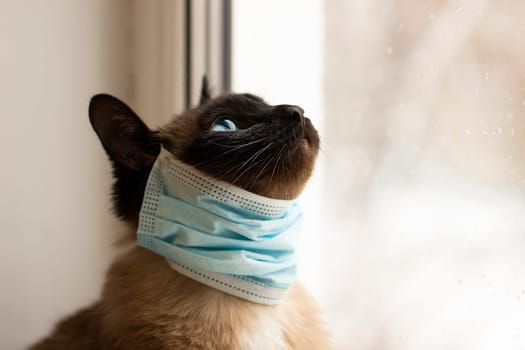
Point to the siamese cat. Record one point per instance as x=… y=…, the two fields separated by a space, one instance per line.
x=237 y=139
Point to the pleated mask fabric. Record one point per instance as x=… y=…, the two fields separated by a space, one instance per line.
x=218 y=234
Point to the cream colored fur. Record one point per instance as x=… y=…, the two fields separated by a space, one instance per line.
x=147 y=305
x=186 y=314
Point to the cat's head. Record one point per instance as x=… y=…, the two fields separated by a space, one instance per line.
x=237 y=138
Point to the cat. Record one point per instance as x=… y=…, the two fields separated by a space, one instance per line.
x=145 y=304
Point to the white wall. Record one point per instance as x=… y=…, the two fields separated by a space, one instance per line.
x=55 y=223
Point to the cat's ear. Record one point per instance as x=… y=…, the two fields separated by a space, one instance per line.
x=126 y=139
x=205 y=91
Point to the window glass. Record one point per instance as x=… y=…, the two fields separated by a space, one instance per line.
x=418 y=235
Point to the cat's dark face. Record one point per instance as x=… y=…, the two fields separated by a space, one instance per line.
x=237 y=138
x=270 y=150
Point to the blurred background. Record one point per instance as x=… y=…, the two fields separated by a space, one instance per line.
x=415 y=232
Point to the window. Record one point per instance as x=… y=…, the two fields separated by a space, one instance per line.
x=416 y=239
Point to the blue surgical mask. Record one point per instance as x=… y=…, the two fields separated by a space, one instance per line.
x=218 y=234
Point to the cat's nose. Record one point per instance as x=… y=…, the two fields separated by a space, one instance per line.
x=292 y=111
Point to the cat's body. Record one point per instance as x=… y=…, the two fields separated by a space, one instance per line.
x=146 y=304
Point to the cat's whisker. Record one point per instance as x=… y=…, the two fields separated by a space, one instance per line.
x=242 y=145
x=254 y=164
x=252 y=159
x=280 y=164
x=263 y=168
x=280 y=154
x=269 y=161
x=233 y=149
x=240 y=166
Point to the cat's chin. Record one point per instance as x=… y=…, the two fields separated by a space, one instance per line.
x=310 y=134
x=305 y=145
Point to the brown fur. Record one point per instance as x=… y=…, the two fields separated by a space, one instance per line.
x=147 y=305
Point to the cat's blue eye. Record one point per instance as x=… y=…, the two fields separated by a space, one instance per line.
x=224 y=124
